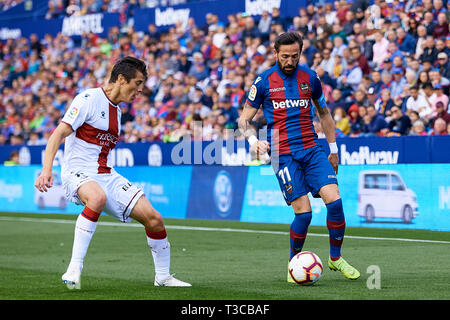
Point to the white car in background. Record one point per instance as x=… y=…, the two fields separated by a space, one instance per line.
x=55 y=197
x=383 y=194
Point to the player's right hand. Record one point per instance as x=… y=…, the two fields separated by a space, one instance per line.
x=44 y=181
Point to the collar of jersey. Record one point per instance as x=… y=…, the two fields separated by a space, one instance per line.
x=114 y=105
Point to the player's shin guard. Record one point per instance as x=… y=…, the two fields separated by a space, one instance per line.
x=84 y=230
x=298 y=231
x=160 y=247
x=336 y=227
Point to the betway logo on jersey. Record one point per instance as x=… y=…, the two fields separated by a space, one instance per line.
x=106 y=139
x=365 y=156
x=290 y=103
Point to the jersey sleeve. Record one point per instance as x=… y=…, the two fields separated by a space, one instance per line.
x=78 y=111
x=256 y=94
x=316 y=86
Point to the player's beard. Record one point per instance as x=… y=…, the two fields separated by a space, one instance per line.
x=288 y=72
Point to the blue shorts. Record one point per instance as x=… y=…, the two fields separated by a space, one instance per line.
x=302 y=172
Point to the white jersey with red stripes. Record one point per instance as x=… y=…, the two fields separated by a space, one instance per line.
x=96 y=124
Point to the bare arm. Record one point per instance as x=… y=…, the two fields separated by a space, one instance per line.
x=329 y=129
x=244 y=121
x=247 y=115
x=326 y=121
x=45 y=179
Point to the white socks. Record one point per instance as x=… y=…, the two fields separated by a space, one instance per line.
x=161 y=254
x=84 y=230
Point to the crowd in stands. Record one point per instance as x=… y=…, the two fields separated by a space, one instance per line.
x=385 y=75
x=8 y=4
x=64 y=8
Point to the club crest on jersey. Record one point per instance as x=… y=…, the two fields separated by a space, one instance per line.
x=304 y=87
x=252 y=93
x=288 y=187
x=103 y=115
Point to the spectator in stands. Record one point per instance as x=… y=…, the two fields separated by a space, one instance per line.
x=437 y=79
x=375 y=123
x=406 y=42
x=337 y=100
x=443 y=65
x=371 y=96
x=230 y=113
x=250 y=29
x=441 y=29
x=386 y=67
x=384 y=103
x=418 y=129
x=361 y=59
x=420 y=40
x=277 y=19
x=438 y=96
x=399 y=123
x=380 y=48
x=355 y=120
x=429 y=50
x=341 y=119
x=398 y=83
x=351 y=78
x=417 y=102
x=360 y=98
x=327 y=62
x=439 y=128
x=13 y=159
x=264 y=25
x=441 y=112
x=338 y=66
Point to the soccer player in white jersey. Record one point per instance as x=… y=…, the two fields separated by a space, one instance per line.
x=91 y=128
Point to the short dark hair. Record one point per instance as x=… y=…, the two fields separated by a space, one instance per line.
x=426 y=85
x=127 y=67
x=286 y=38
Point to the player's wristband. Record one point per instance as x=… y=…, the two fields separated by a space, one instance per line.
x=333 y=147
x=252 y=140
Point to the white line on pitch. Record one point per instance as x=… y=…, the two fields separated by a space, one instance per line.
x=136 y=225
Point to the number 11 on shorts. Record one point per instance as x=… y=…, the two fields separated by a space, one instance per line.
x=284 y=175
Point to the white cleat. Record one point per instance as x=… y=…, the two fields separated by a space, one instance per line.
x=72 y=278
x=170 y=281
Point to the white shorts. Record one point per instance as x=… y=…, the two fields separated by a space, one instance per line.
x=121 y=195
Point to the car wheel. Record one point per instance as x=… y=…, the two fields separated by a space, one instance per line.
x=407 y=214
x=370 y=213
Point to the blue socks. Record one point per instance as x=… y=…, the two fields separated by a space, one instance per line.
x=336 y=227
x=298 y=231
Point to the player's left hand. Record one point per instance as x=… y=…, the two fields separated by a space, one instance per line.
x=334 y=160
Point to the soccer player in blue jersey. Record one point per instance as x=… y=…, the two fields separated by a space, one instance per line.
x=285 y=92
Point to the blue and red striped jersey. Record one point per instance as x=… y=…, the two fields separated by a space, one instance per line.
x=287 y=106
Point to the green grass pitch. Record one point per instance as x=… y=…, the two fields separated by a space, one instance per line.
x=221 y=264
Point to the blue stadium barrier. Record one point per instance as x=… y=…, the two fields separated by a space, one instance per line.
x=402 y=196
x=352 y=151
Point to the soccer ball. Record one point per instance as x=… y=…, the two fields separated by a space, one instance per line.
x=305 y=268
